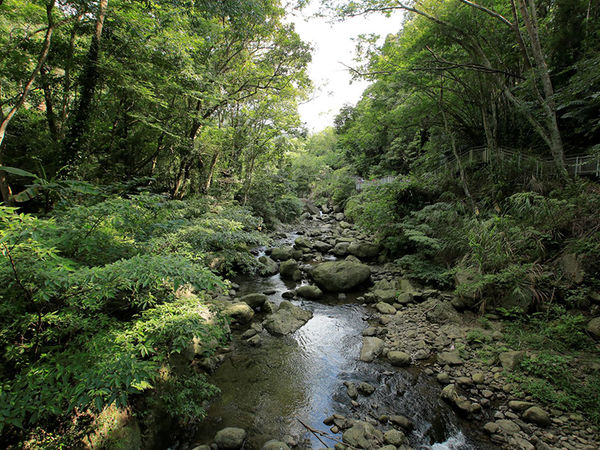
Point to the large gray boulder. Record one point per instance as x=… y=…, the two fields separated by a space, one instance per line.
x=239 y=312
x=267 y=267
x=254 y=300
x=230 y=438
x=593 y=327
x=371 y=348
x=282 y=253
x=310 y=292
x=362 y=435
x=288 y=268
x=362 y=249
x=287 y=319
x=275 y=445
x=341 y=249
x=340 y=276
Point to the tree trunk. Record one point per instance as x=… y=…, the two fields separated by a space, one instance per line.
x=548 y=105
x=211 y=170
x=89 y=80
x=4 y=186
x=50 y=115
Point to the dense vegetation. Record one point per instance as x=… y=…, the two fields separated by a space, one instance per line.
x=144 y=146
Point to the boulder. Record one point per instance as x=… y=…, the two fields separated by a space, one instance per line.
x=507 y=426
x=322 y=247
x=510 y=360
x=518 y=405
x=230 y=438
x=275 y=445
x=268 y=267
x=282 y=253
x=339 y=216
x=385 y=295
x=340 y=276
x=310 y=292
x=254 y=300
x=450 y=395
x=371 y=348
x=362 y=435
x=385 y=308
x=451 y=358
x=362 y=249
x=466 y=276
x=310 y=207
x=365 y=388
x=239 y=312
x=537 y=415
x=341 y=249
x=302 y=243
x=394 y=437
x=398 y=359
x=403 y=422
x=288 y=268
x=593 y=327
x=287 y=319
x=572 y=266
x=440 y=312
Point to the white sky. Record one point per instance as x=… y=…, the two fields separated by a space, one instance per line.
x=333 y=45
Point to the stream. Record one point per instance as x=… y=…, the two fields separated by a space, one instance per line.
x=268 y=390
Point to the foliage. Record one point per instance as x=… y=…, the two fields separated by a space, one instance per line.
x=98 y=299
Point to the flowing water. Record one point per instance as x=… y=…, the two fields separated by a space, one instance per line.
x=268 y=390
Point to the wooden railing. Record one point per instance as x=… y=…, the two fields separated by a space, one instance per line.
x=362 y=184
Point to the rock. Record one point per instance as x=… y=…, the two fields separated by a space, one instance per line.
x=385 y=308
x=398 y=359
x=310 y=292
x=518 y=405
x=394 y=437
x=353 y=259
x=339 y=217
x=593 y=327
x=571 y=265
x=255 y=341
x=254 y=300
x=352 y=391
x=340 y=276
x=365 y=389
x=491 y=427
x=322 y=247
x=510 y=360
x=268 y=267
x=361 y=435
x=269 y=307
x=249 y=333
x=371 y=348
x=404 y=298
x=537 y=415
x=275 y=445
x=478 y=378
x=282 y=253
x=403 y=422
x=230 y=438
x=288 y=294
x=363 y=249
x=451 y=358
x=508 y=426
x=202 y=447
x=288 y=268
x=287 y=319
x=310 y=207
x=440 y=312
x=385 y=295
x=341 y=249
x=443 y=378
x=302 y=243
x=239 y=312
x=450 y=395
x=466 y=276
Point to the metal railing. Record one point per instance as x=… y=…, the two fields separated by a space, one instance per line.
x=541 y=167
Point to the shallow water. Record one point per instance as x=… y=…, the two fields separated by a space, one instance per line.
x=269 y=389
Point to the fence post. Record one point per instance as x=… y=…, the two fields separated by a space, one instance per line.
x=576 y=165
